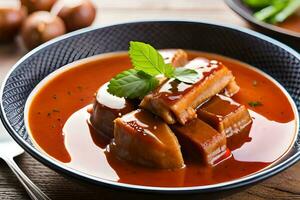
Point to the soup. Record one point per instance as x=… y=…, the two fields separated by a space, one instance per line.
x=59 y=121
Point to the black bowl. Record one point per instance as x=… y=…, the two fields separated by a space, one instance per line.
x=273 y=57
x=289 y=37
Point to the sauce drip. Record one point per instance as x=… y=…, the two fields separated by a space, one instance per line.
x=58 y=119
x=148 y=126
x=110 y=101
x=173 y=90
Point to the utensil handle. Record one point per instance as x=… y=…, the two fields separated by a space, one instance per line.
x=33 y=191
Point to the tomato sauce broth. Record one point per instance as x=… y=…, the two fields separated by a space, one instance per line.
x=58 y=123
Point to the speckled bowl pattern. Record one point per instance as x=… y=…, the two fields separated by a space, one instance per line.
x=276 y=59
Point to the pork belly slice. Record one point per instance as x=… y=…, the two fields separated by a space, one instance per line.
x=232 y=88
x=198 y=139
x=180 y=58
x=145 y=139
x=176 y=101
x=225 y=115
x=177 y=58
x=106 y=109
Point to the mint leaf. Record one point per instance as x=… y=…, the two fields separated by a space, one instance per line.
x=186 y=75
x=132 y=84
x=169 y=71
x=148 y=63
x=144 y=57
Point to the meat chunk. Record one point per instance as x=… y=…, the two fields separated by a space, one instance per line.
x=145 y=139
x=177 y=58
x=176 y=101
x=180 y=58
x=201 y=140
x=231 y=89
x=225 y=115
x=106 y=109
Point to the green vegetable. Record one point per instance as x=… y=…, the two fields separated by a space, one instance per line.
x=270 y=11
x=273 y=11
x=148 y=63
x=254 y=103
x=291 y=7
x=257 y=3
x=132 y=84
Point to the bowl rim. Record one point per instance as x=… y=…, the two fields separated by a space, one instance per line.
x=48 y=161
x=238 y=10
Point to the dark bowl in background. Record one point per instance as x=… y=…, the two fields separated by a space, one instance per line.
x=275 y=58
x=288 y=37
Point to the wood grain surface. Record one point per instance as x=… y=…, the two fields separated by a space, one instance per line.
x=285 y=185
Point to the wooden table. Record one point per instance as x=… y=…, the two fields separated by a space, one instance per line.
x=285 y=185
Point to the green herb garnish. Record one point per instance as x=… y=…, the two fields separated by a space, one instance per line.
x=254 y=103
x=132 y=84
x=186 y=75
x=145 y=58
x=148 y=63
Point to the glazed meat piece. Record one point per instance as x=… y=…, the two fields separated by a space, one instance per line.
x=177 y=58
x=231 y=89
x=225 y=115
x=145 y=139
x=180 y=58
x=199 y=139
x=106 y=109
x=176 y=101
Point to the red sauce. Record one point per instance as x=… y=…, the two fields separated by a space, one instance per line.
x=58 y=121
x=292 y=23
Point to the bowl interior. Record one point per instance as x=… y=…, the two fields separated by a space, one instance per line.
x=272 y=57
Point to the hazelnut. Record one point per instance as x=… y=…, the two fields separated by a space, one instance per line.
x=76 y=14
x=36 y=5
x=11 y=18
x=40 y=27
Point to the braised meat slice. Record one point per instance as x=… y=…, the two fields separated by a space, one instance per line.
x=225 y=115
x=232 y=88
x=199 y=139
x=176 y=101
x=177 y=58
x=180 y=58
x=106 y=109
x=145 y=139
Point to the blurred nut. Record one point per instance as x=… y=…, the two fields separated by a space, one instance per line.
x=36 y=5
x=40 y=27
x=11 y=19
x=76 y=14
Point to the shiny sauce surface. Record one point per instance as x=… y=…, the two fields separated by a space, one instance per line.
x=173 y=90
x=58 y=122
x=292 y=23
x=147 y=126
